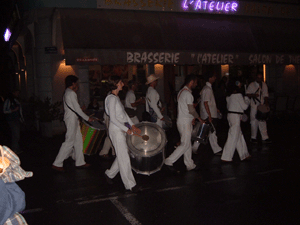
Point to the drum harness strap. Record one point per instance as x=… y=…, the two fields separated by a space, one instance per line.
x=235 y=112
x=78 y=115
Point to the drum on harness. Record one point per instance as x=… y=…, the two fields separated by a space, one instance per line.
x=200 y=132
x=263 y=112
x=92 y=136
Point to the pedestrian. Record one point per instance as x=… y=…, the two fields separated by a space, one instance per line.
x=236 y=104
x=104 y=152
x=73 y=145
x=209 y=111
x=119 y=125
x=131 y=103
x=258 y=92
x=153 y=103
x=13 y=114
x=186 y=116
x=94 y=105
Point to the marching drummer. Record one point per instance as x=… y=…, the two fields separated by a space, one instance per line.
x=258 y=92
x=73 y=135
x=209 y=111
x=186 y=116
x=153 y=104
x=130 y=101
x=119 y=125
x=236 y=104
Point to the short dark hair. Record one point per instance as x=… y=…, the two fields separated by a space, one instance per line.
x=70 y=79
x=189 y=78
x=207 y=75
x=131 y=83
x=113 y=81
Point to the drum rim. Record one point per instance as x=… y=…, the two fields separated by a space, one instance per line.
x=93 y=126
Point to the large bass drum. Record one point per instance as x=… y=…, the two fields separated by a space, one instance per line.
x=147 y=156
x=262 y=113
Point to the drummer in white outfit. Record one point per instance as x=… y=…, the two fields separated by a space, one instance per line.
x=117 y=132
x=153 y=103
x=258 y=92
x=186 y=115
x=208 y=110
x=73 y=135
x=236 y=104
x=130 y=100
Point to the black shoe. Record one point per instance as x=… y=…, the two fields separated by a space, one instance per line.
x=171 y=169
x=219 y=153
x=267 y=141
x=254 y=141
x=108 y=180
x=136 y=188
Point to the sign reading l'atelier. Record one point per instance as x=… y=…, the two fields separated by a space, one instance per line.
x=240 y=8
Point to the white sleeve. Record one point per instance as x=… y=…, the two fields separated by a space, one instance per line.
x=265 y=90
x=6 y=107
x=205 y=96
x=250 y=89
x=72 y=102
x=244 y=105
x=111 y=105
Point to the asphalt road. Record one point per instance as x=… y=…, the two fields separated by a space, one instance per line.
x=264 y=190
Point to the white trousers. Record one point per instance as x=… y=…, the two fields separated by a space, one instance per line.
x=74 y=141
x=255 y=124
x=185 y=147
x=235 y=139
x=213 y=141
x=122 y=162
x=107 y=146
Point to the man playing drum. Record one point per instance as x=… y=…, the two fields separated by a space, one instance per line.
x=258 y=92
x=186 y=115
x=209 y=111
x=73 y=135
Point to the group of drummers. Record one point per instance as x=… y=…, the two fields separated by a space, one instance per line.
x=120 y=120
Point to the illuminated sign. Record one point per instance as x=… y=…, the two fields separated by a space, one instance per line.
x=87 y=60
x=7 y=35
x=211 y=6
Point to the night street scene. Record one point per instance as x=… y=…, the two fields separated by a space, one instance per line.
x=149 y=112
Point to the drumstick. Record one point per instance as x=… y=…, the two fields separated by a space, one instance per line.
x=144 y=137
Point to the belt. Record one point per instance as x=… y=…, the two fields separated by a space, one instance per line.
x=235 y=112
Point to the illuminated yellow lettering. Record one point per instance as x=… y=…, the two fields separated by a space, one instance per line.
x=127 y=2
x=108 y=2
x=117 y=2
x=170 y=4
x=150 y=3
x=157 y=3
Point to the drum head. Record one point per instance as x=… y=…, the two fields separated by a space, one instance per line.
x=146 y=148
x=95 y=125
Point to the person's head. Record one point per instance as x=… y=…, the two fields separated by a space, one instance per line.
x=152 y=80
x=234 y=86
x=71 y=82
x=191 y=81
x=210 y=77
x=259 y=77
x=132 y=85
x=115 y=83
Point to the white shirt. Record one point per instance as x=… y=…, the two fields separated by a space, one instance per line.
x=207 y=95
x=116 y=112
x=70 y=98
x=152 y=98
x=184 y=99
x=130 y=99
x=262 y=92
x=237 y=103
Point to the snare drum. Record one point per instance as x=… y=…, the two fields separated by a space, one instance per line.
x=200 y=132
x=92 y=136
x=262 y=112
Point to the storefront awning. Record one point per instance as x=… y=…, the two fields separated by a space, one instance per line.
x=98 y=36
